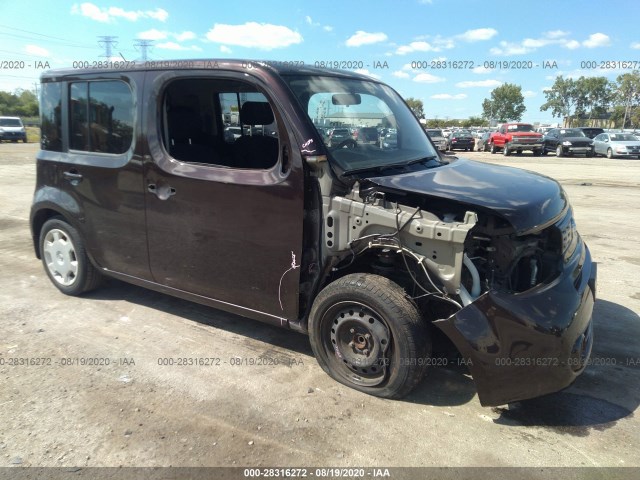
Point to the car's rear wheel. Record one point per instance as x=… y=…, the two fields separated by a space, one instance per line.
x=65 y=258
x=367 y=334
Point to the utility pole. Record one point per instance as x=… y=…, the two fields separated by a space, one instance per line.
x=107 y=42
x=142 y=46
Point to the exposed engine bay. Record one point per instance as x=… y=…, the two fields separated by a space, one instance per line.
x=435 y=250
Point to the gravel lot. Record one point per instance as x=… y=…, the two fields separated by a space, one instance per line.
x=135 y=412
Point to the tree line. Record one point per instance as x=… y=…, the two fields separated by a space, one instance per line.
x=20 y=103
x=581 y=98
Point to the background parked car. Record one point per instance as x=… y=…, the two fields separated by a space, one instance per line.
x=338 y=136
x=617 y=145
x=366 y=135
x=461 y=140
x=389 y=141
x=482 y=144
x=11 y=128
x=566 y=141
x=436 y=136
x=591 y=132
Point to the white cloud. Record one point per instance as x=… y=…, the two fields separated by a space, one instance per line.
x=177 y=46
x=225 y=49
x=400 y=74
x=507 y=48
x=153 y=34
x=480 y=70
x=478 y=83
x=263 y=36
x=364 y=71
x=327 y=28
x=427 y=78
x=365 y=38
x=448 y=96
x=91 y=11
x=572 y=44
x=597 y=40
x=635 y=45
x=309 y=20
x=478 y=34
x=416 y=47
x=529 y=94
x=181 y=37
x=36 y=50
x=109 y=14
x=554 y=37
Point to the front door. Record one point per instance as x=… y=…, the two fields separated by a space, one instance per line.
x=224 y=209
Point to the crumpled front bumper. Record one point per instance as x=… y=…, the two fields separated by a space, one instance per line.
x=528 y=344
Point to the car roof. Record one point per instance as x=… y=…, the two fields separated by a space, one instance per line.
x=275 y=67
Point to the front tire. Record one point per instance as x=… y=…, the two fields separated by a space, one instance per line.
x=609 y=153
x=559 y=152
x=65 y=258
x=493 y=148
x=367 y=334
x=506 y=151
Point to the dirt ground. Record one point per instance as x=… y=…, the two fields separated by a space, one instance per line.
x=131 y=410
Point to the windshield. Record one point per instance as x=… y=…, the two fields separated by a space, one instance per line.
x=623 y=137
x=10 y=122
x=572 y=133
x=520 y=128
x=356 y=106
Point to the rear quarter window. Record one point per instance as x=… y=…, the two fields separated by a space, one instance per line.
x=101 y=116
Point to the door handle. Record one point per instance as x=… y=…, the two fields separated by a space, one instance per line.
x=163 y=192
x=73 y=177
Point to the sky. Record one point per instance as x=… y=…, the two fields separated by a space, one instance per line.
x=448 y=53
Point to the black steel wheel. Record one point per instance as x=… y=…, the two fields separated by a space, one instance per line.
x=367 y=334
x=65 y=259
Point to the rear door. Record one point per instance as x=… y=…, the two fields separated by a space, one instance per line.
x=100 y=169
x=224 y=214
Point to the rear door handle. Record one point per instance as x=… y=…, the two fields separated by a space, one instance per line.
x=73 y=177
x=163 y=192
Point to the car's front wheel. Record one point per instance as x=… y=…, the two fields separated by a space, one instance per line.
x=493 y=148
x=559 y=151
x=65 y=258
x=609 y=153
x=367 y=334
x=506 y=152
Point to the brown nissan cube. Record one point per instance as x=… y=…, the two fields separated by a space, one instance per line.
x=379 y=254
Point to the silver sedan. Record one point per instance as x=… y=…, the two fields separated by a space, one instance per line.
x=617 y=145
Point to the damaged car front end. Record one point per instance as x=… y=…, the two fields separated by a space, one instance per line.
x=489 y=255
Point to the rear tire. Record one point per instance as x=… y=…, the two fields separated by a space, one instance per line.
x=65 y=258
x=367 y=334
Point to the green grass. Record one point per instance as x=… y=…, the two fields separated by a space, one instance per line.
x=33 y=134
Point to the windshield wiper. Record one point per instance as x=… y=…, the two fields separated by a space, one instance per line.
x=390 y=166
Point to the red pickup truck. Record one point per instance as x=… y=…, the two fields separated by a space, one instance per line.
x=516 y=137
